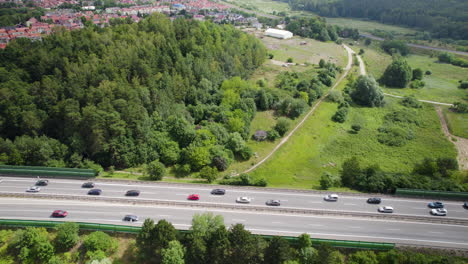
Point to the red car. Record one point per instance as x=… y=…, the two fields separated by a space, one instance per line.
x=194 y=197
x=59 y=213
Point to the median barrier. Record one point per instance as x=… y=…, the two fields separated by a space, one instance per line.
x=46 y=171
x=430 y=219
x=136 y=229
x=434 y=194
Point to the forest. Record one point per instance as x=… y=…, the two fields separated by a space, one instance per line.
x=443 y=19
x=129 y=94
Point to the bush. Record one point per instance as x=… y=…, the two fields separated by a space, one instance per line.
x=246 y=153
x=322 y=63
x=412 y=102
x=272 y=135
x=361 y=51
x=270 y=56
x=100 y=241
x=282 y=125
x=244 y=180
x=335 y=96
x=394 y=46
x=417 y=84
x=365 y=91
x=460 y=107
x=417 y=74
x=290 y=60
x=328 y=180
x=67 y=236
x=463 y=85
x=394 y=135
x=340 y=115
x=356 y=128
x=156 y=170
x=428 y=72
x=208 y=173
x=397 y=74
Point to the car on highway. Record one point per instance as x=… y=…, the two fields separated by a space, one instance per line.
x=243 y=199
x=42 y=182
x=385 y=209
x=273 y=202
x=439 y=212
x=218 y=191
x=59 y=213
x=465 y=205
x=331 y=197
x=130 y=218
x=194 y=197
x=435 y=205
x=87 y=185
x=132 y=193
x=374 y=200
x=33 y=189
x=95 y=192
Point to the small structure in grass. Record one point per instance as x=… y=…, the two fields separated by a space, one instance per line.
x=260 y=135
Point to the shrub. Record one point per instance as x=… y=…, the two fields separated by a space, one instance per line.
x=100 y=241
x=270 y=56
x=272 y=135
x=156 y=170
x=356 y=128
x=463 y=85
x=328 y=180
x=208 y=173
x=417 y=74
x=365 y=91
x=428 y=72
x=417 y=84
x=340 y=115
x=460 y=107
x=290 y=60
x=412 y=102
x=394 y=135
x=67 y=236
x=282 y=125
x=335 y=96
x=397 y=74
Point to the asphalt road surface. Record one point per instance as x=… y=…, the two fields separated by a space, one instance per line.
x=440 y=235
x=180 y=192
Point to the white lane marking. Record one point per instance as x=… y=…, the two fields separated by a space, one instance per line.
x=394 y=229
x=349 y=204
x=342 y=235
x=435 y=232
x=181 y=208
x=355 y=227
x=419 y=208
x=173 y=187
x=238 y=220
x=315 y=225
x=165 y=215
x=181 y=194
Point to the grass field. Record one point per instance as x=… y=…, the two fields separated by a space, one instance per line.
x=457 y=123
x=322 y=145
x=264 y=6
x=441 y=86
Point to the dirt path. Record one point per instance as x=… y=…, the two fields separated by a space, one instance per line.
x=362 y=66
x=286 y=138
x=460 y=143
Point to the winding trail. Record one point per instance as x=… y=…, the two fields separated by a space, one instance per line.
x=460 y=143
x=285 y=139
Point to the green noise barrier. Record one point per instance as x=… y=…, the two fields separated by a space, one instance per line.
x=435 y=194
x=46 y=171
x=136 y=229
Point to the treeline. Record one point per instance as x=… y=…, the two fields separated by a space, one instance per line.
x=443 y=19
x=130 y=94
x=317 y=28
x=11 y=15
x=207 y=242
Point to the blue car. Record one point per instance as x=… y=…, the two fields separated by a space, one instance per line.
x=436 y=205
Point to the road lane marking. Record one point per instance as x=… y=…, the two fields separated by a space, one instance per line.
x=394 y=229
x=355 y=227
x=349 y=204
x=315 y=225
x=238 y=220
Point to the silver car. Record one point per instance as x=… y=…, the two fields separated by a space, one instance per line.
x=386 y=209
x=243 y=199
x=331 y=197
x=439 y=212
x=33 y=189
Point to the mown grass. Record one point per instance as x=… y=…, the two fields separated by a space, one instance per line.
x=264 y=6
x=322 y=145
x=441 y=85
x=456 y=122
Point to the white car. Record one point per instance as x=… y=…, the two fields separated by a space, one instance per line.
x=386 y=209
x=331 y=197
x=439 y=212
x=243 y=199
x=33 y=189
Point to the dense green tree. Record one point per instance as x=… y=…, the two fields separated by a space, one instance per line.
x=242 y=245
x=208 y=173
x=173 y=254
x=398 y=74
x=100 y=241
x=156 y=170
x=145 y=241
x=417 y=74
x=351 y=169
x=67 y=236
x=282 y=125
x=363 y=257
x=367 y=92
x=278 y=251
x=219 y=246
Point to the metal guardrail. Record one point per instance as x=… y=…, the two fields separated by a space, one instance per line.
x=136 y=229
x=435 y=194
x=430 y=219
x=46 y=171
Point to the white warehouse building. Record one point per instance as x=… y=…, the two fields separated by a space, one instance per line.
x=276 y=33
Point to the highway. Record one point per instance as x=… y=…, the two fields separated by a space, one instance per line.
x=180 y=192
x=427 y=234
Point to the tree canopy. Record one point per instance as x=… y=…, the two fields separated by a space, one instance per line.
x=367 y=92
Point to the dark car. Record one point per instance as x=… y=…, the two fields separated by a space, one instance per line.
x=465 y=205
x=130 y=218
x=59 y=213
x=273 y=202
x=42 y=182
x=132 y=193
x=374 y=200
x=95 y=192
x=87 y=185
x=435 y=205
x=218 y=191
